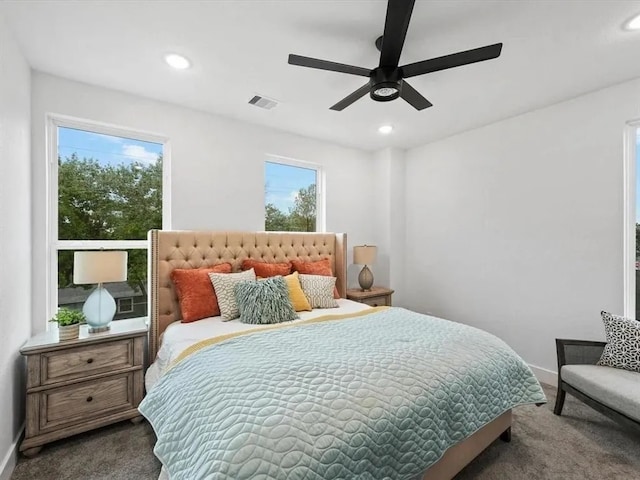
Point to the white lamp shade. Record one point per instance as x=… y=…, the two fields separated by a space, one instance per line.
x=99 y=267
x=364 y=254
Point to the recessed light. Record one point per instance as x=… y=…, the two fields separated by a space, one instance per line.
x=633 y=23
x=385 y=129
x=177 y=61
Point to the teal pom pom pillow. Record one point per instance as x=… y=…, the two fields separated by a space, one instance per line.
x=264 y=301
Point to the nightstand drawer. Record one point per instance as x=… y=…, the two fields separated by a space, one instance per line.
x=62 y=365
x=376 y=297
x=87 y=400
x=375 y=301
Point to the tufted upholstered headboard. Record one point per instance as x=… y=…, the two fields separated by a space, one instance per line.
x=169 y=249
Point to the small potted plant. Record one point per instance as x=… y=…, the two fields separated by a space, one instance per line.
x=68 y=323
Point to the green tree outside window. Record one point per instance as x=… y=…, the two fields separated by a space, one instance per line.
x=107 y=202
x=300 y=218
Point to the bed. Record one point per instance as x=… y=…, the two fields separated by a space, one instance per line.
x=174 y=376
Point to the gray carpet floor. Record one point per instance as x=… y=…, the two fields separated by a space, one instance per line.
x=580 y=445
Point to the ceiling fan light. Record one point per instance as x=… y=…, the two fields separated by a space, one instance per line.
x=385 y=91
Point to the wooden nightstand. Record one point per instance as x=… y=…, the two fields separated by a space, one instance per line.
x=82 y=384
x=378 y=296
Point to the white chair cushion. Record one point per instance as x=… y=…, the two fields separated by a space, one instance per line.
x=617 y=389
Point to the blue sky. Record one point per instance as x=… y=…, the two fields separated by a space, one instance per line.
x=282 y=183
x=106 y=149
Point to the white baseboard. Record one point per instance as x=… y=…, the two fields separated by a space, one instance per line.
x=545 y=376
x=11 y=458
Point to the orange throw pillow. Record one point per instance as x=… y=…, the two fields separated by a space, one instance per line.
x=195 y=291
x=321 y=267
x=264 y=269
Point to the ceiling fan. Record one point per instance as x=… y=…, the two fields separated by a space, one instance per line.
x=386 y=81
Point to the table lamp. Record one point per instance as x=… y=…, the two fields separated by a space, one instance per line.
x=365 y=255
x=99 y=267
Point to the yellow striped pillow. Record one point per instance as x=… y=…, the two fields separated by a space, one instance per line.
x=296 y=295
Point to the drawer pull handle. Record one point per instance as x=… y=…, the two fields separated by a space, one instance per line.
x=89 y=399
x=90 y=360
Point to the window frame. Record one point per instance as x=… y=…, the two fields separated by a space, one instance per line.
x=320 y=186
x=53 y=243
x=629 y=214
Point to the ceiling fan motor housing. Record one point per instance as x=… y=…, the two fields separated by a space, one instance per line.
x=385 y=83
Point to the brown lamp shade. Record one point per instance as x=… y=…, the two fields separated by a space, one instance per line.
x=364 y=254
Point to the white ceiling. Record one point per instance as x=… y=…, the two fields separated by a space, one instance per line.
x=553 y=50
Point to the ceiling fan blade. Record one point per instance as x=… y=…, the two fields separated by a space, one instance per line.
x=454 y=60
x=413 y=97
x=349 y=99
x=395 y=31
x=326 y=65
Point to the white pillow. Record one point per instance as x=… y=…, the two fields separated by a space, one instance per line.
x=223 y=284
x=319 y=290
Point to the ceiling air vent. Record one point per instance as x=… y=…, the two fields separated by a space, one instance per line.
x=263 y=102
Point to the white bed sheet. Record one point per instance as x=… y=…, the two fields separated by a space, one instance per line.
x=179 y=336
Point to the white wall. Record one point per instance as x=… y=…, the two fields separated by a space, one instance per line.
x=217 y=172
x=389 y=170
x=517 y=227
x=15 y=240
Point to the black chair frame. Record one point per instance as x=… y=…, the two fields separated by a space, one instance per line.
x=584 y=352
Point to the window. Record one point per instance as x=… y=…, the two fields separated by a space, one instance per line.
x=636 y=294
x=631 y=192
x=106 y=191
x=125 y=305
x=293 y=196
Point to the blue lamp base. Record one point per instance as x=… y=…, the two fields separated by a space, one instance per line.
x=99 y=309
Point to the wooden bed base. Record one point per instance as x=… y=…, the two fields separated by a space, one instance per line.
x=460 y=455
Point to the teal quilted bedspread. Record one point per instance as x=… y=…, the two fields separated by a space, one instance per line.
x=368 y=398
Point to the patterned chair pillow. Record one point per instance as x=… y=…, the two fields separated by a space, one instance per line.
x=319 y=290
x=264 y=301
x=223 y=284
x=623 y=343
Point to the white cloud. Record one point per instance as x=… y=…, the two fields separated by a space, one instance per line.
x=282 y=201
x=138 y=153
